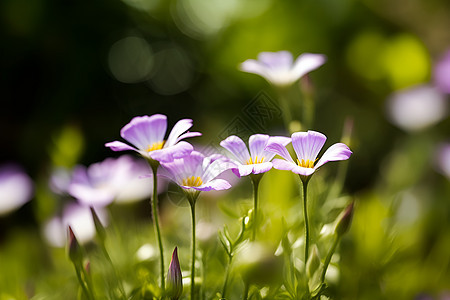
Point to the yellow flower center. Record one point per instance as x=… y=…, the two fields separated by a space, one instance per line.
x=306 y=164
x=155 y=146
x=192 y=181
x=250 y=161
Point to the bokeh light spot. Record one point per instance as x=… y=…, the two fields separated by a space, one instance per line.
x=173 y=71
x=405 y=61
x=130 y=59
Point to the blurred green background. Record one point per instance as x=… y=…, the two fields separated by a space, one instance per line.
x=72 y=73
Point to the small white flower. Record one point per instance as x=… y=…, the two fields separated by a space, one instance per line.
x=279 y=68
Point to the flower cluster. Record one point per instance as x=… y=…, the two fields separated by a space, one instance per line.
x=194 y=172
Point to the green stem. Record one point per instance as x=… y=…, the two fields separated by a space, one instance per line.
x=328 y=258
x=305 y=216
x=227 y=275
x=193 y=252
x=255 y=181
x=83 y=283
x=154 y=204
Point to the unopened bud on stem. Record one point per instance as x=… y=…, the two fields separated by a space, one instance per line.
x=75 y=252
x=344 y=223
x=99 y=228
x=174 y=278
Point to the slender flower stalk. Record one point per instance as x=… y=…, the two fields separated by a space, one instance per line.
x=307 y=146
x=196 y=173
x=255 y=180
x=154 y=204
x=305 y=217
x=193 y=241
x=254 y=163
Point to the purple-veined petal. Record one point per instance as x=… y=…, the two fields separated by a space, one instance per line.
x=237 y=147
x=145 y=131
x=281 y=140
x=307 y=145
x=257 y=143
x=336 y=152
x=243 y=170
x=280 y=150
x=281 y=164
x=188 y=135
x=261 y=168
x=119 y=146
x=303 y=171
x=177 y=130
x=307 y=62
x=216 y=184
x=216 y=168
x=281 y=60
x=168 y=154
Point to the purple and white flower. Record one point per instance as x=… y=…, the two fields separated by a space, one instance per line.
x=114 y=179
x=258 y=160
x=197 y=172
x=16 y=188
x=279 y=68
x=147 y=134
x=307 y=146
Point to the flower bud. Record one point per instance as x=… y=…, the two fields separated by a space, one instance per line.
x=75 y=252
x=174 y=278
x=99 y=228
x=344 y=223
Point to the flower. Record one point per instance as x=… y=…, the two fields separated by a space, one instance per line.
x=258 y=160
x=279 y=69
x=112 y=179
x=307 y=146
x=198 y=172
x=442 y=73
x=16 y=188
x=147 y=135
x=417 y=108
